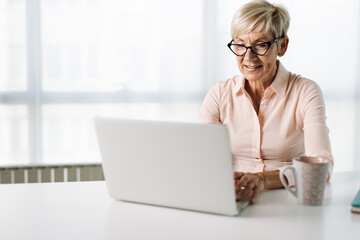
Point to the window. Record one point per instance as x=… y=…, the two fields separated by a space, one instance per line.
x=79 y=59
x=66 y=61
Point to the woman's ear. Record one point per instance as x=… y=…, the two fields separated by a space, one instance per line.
x=283 y=46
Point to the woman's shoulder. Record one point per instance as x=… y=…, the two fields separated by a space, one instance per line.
x=304 y=88
x=303 y=84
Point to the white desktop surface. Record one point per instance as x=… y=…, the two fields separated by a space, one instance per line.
x=83 y=210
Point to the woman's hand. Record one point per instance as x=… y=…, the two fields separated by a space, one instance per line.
x=248 y=186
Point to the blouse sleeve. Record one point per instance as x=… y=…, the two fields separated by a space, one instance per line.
x=316 y=133
x=210 y=108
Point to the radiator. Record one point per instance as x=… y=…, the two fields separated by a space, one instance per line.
x=53 y=173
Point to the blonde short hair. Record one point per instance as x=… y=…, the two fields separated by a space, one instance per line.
x=260 y=16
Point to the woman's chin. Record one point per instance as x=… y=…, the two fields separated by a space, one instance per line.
x=252 y=77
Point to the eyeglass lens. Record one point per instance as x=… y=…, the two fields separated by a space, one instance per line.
x=259 y=49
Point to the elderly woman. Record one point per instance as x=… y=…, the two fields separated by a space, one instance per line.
x=272 y=114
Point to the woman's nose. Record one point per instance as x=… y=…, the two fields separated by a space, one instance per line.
x=249 y=55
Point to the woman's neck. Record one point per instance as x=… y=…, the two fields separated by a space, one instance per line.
x=256 y=89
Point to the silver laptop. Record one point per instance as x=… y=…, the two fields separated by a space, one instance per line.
x=178 y=165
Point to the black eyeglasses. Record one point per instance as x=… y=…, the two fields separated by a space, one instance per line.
x=258 y=49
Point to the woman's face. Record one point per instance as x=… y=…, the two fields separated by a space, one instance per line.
x=255 y=67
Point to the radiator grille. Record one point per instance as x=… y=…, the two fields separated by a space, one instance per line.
x=54 y=173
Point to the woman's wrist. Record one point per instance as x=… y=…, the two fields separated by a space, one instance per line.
x=270 y=179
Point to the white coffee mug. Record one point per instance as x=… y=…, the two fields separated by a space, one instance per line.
x=310 y=178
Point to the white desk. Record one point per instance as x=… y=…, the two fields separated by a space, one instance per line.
x=83 y=210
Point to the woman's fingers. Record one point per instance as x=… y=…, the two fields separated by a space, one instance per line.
x=242 y=182
x=250 y=195
x=247 y=190
x=247 y=186
x=255 y=194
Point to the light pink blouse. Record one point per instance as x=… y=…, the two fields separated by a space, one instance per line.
x=291 y=122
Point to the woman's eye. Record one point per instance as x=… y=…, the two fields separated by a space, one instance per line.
x=262 y=45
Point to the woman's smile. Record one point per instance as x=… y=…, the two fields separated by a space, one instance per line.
x=253 y=67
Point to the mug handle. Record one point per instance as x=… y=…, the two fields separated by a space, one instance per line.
x=283 y=181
